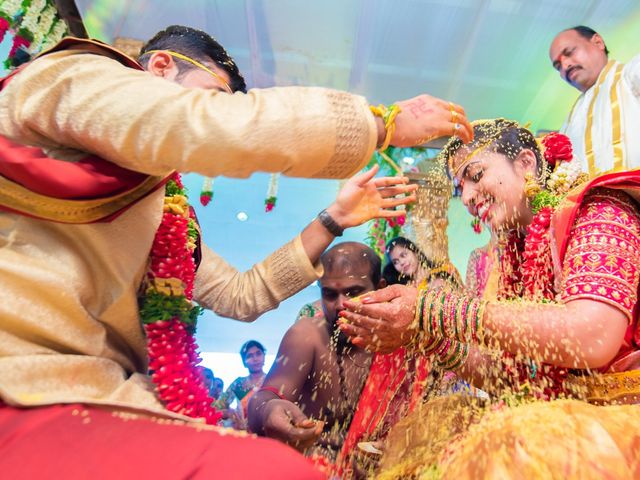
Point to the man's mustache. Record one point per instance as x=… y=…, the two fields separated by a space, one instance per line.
x=570 y=70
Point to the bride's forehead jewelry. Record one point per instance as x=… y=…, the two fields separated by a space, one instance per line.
x=468 y=158
x=489 y=131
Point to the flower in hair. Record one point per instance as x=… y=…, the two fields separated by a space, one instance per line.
x=557 y=148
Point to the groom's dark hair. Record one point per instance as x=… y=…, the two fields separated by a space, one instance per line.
x=197 y=45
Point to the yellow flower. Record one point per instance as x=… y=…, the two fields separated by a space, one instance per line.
x=167 y=286
x=176 y=204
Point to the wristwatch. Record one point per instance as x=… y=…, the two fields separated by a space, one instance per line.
x=330 y=224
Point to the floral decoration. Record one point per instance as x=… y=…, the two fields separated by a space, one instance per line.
x=168 y=314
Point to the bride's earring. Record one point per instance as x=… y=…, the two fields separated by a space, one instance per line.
x=531 y=185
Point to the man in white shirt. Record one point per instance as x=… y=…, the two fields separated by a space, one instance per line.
x=605 y=116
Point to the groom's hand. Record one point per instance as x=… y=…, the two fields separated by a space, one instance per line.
x=425 y=118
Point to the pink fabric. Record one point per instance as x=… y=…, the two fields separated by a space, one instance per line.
x=601 y=263
x=603 y=257
x=479 y=269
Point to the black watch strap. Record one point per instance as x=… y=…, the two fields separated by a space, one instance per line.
x=330 y=224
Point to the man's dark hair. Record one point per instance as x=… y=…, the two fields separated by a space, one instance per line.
x=250 y=344
x=588 y=33
x=197 y=45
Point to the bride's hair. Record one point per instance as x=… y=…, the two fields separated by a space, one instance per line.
x=506 y=136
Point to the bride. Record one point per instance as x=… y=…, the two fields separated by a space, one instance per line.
x=563 y=327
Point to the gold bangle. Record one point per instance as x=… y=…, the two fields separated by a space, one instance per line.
x=416 y=325
x=479 y=323
x=388 y=116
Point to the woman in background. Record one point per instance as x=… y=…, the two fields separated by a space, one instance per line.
x=408 y=265
x=243 y=388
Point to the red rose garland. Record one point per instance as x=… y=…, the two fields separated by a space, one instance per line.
x=206 y=194
x=527 y=270
x=476 y=225
x=396 y=222
x=169 y=316
x=270 y=203
x=510 y=281
x=19 y=42
x=4 y=27
x=557 y=148
x=537 y=264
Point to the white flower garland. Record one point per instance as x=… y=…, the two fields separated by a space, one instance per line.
x=47 y=17
x=57 y=32
x=30 y=20
x=272 y=189
x=564 y=176
x=10 y=8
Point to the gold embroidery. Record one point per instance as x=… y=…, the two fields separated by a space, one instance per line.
x=616 y=135
x=351 y=130
x=286 y=271
x=604 y=266
x=608 y=387
x=610 y=261
x=22 y=200
x=588 y=140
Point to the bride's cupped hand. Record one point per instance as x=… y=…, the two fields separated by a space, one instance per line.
x=383 y=320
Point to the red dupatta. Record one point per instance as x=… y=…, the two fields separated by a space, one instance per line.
x=85 y=191
x=388 y=374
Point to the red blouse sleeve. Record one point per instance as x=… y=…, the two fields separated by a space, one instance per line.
x=603 y=256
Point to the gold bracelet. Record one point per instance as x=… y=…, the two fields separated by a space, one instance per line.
x=388 y=116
